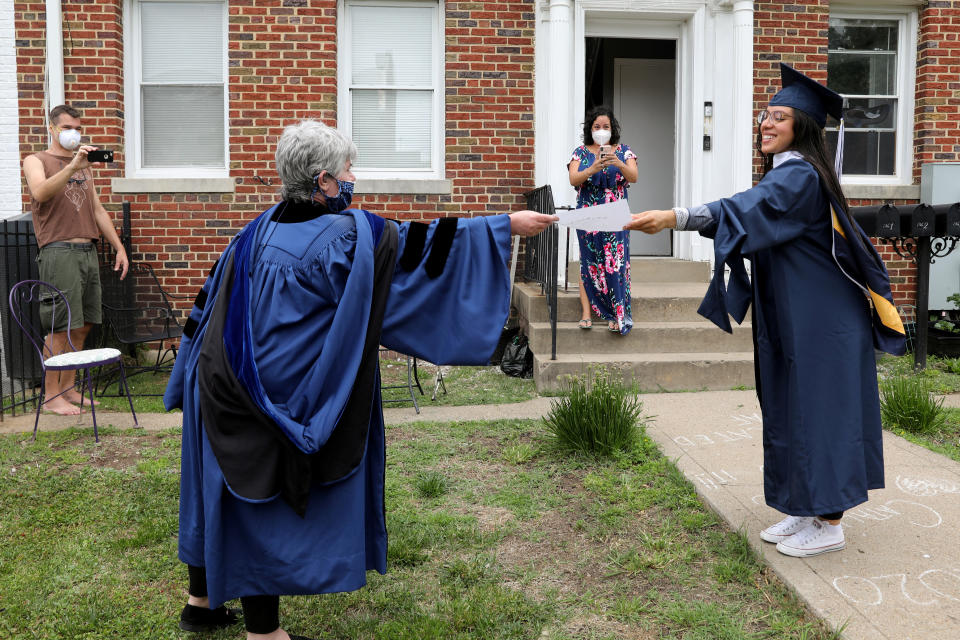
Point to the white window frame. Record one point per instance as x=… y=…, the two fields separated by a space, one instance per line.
x=344 y=103
x=132 y=69
x=906 y=17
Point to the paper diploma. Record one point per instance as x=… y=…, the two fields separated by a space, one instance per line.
x=611 y=216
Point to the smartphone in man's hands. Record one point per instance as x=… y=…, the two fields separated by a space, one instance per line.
x=100 y=155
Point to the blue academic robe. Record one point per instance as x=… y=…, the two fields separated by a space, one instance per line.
x=309 y=292
x=814 y=340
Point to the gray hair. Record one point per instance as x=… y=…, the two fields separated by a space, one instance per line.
x=304 y=150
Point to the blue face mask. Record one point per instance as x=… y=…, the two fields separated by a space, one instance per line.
x=339 y=202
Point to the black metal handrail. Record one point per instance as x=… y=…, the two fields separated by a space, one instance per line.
x=540 y=259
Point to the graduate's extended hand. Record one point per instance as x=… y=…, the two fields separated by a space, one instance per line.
x=530 y=223
x=652 y=221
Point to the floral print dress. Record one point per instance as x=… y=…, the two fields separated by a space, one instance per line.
x=605 y=256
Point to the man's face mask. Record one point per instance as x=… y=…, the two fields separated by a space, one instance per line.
x=601 y=136
x=69 y=139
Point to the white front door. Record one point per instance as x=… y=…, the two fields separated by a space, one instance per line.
x=645 y=104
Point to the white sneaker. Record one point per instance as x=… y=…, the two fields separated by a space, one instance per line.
x=785 y=528
x=819 y=537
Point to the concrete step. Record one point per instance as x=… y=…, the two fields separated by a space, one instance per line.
x=644 y=338
x=656 y=270
x=651 y=372
x=650 y=302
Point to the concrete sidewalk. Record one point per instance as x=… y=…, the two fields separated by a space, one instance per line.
x=898 y=578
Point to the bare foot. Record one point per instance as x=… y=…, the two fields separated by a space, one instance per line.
x=61 y=407
x=72 y=395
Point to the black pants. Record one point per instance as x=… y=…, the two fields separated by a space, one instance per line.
x=832 y=516
x=261 y=614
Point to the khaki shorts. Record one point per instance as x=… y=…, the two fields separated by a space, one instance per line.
x=75 y=270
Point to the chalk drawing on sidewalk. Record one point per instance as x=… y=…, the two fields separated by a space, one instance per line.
x=747 y=423
x=716 y=437
x=714 y=479
x=744 y=419
x=929 y=588
x=920 y=515
x=926 y=487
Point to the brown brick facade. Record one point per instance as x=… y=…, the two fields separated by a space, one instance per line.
x=283 y=67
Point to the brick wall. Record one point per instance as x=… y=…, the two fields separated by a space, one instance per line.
x=283 y=66
x=938 y=84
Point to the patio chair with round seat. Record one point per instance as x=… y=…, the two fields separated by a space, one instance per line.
x=29 y=301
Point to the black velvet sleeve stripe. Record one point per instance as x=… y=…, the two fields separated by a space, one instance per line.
x=190 y=327
x=213 y=267
x=201 y=301
x=413 y=248
x=442 y=241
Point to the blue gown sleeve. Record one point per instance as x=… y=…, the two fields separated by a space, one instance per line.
x=781 y=208
x=458 y=316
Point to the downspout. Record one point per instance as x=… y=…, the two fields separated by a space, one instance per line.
x=53 y=77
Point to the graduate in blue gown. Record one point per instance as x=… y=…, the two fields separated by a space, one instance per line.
x=282 y=472
x=821 y=304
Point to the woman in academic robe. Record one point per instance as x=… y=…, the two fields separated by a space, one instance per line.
x=821 y=303
x=283 y=456
x=601 y=170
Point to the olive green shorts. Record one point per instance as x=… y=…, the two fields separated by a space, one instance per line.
x=74 y=269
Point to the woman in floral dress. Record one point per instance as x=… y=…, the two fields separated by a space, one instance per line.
x=601 y=170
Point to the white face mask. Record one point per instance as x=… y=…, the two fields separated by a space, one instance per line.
x=601 y=136
x=69 y=139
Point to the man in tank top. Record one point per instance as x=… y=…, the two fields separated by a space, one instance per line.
x=68 y=219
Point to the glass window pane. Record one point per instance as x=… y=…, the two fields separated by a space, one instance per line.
x=392 y=129
x=183 y=126
x=392 y=46
x=182 y=41
x=870 y=113
x=862 y=35
x=862 y=73
x=869 y=153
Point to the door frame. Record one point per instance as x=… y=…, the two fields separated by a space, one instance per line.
x=684 y=22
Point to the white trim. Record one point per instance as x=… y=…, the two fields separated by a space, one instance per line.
x=172 y=185
x=412 y=186
x=906 y=17
x=54 y=66
x=10 y=187
x=133 y=132
x=399 y=177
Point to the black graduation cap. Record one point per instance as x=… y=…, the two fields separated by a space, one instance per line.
x=811 y=97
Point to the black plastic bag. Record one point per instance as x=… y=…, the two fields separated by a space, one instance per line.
x=506 y=337
x=517 y=360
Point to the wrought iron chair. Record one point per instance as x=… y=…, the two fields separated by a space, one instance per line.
x=30 y=300
x=138 y=311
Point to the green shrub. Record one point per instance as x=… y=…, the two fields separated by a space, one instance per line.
x=905 y=402
x=431 y=484
x=597 y=416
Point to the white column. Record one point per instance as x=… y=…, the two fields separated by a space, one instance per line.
x=10 y=200
x=559 y=109
x=743 y=133
x=54 y=70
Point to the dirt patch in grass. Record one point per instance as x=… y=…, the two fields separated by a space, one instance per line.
x=121 y=453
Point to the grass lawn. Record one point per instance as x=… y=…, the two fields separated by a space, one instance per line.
x=943 y=377
x=492 y=535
